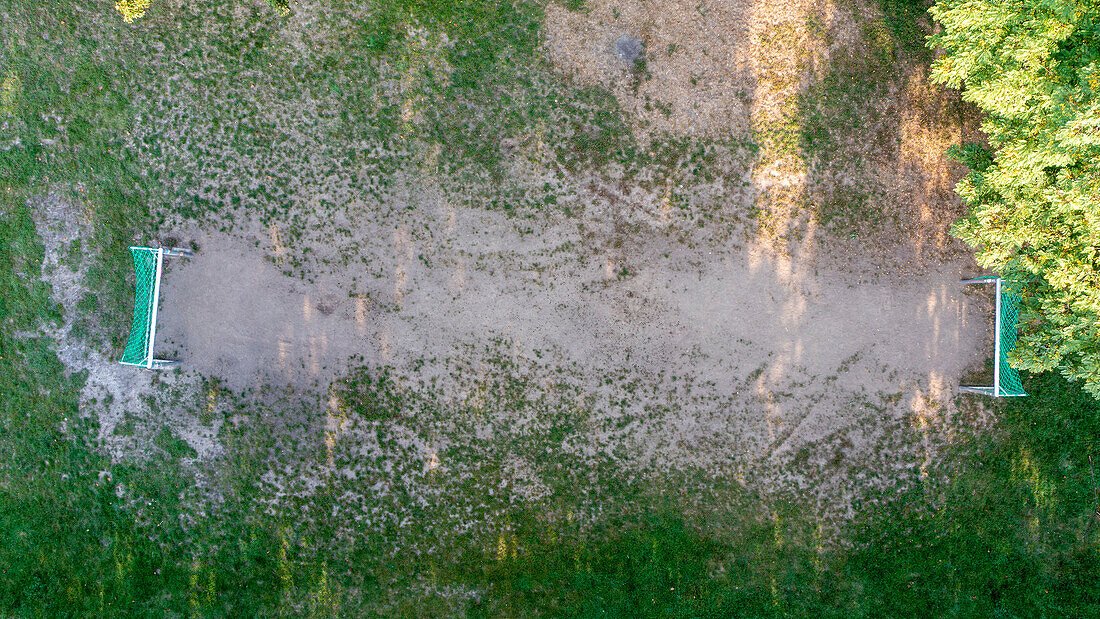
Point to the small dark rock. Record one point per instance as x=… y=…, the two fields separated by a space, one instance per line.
x=628 y=48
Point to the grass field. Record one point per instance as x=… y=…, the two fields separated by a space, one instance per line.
x=500 y=484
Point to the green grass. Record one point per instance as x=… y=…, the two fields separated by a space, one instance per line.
x=1016 y=532
x=657 y=563
x=71 y=546
x=901 y=17
x=60 y=523
x=69 y=117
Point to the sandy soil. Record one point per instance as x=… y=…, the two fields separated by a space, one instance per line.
x=791 y=348
x=697 y=55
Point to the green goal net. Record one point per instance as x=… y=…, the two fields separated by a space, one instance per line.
x=1006 y=380
x=148 y=263
x=147 y=266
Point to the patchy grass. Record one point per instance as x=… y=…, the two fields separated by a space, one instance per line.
x=459 y=96
x=455 y=88
x=68 y=120
x=906 y=20
x=849 y=130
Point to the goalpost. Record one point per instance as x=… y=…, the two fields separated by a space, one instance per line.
x=1006 y=380
x=148 y=263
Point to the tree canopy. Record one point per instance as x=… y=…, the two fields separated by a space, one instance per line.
x=1033 y=66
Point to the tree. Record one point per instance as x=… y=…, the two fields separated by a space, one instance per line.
x=1033 y=66
x=132 y=9
x=135 y=9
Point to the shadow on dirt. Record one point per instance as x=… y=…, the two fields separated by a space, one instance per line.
x=874 y=131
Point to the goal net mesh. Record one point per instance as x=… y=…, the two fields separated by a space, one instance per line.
x=1010 y=378
x=145 y=271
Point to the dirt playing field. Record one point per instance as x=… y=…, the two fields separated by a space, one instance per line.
x=789 y=354
x=653 y=307
x=775 y=345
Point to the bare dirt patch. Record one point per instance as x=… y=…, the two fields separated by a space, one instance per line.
x=693 y=74
x=784 y=354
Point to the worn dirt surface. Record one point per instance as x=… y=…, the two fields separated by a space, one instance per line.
x=771 y=348
x=706 y=68
x=789 y=352
x=745 y=70
x=111 y=391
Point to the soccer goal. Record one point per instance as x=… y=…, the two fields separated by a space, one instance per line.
x=1006 y=380
x=148 y=262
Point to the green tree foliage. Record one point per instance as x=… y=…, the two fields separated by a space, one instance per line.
x=1034 y=67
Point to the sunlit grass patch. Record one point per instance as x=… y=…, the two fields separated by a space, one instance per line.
x=132 y=9
x=11 y=90
x=1015 y=508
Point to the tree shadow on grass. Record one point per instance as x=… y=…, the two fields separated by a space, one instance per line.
x=1012 y=530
